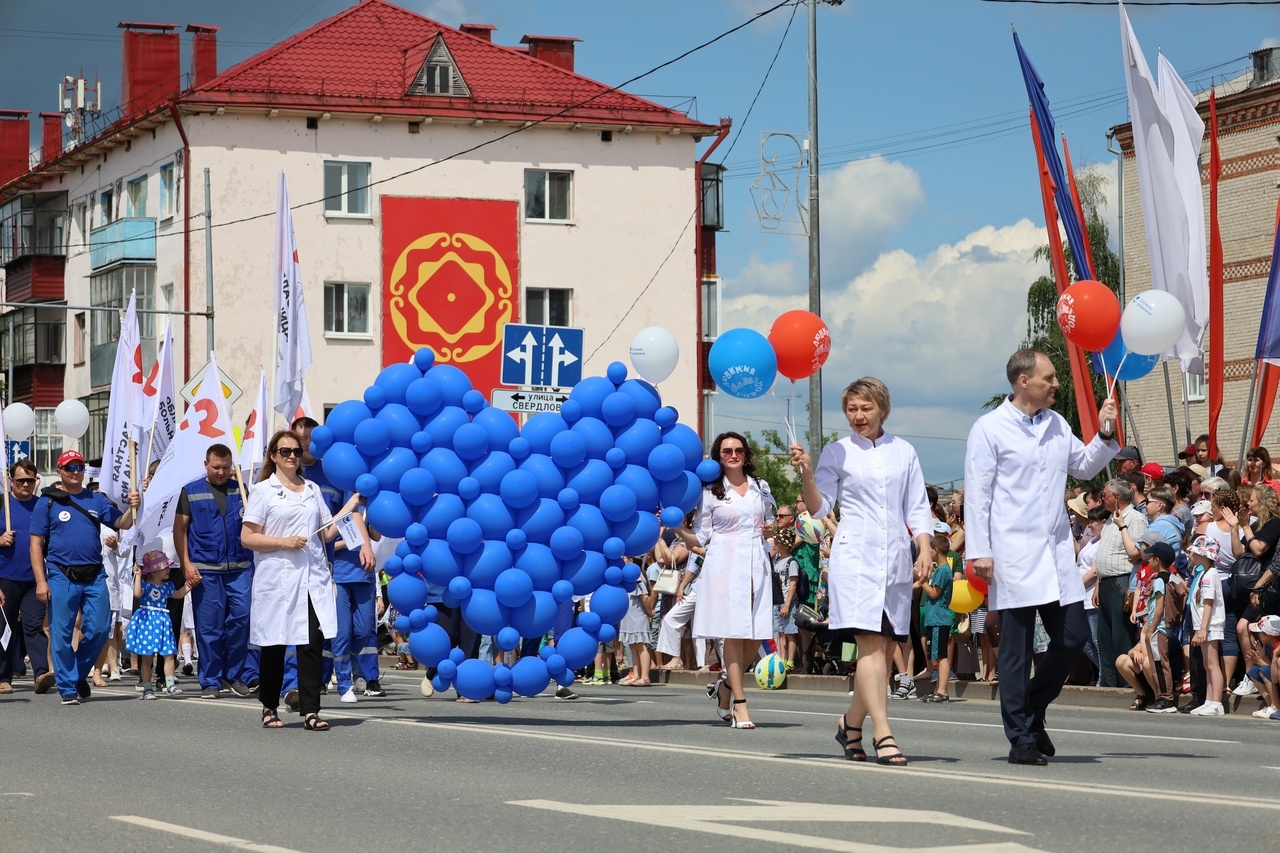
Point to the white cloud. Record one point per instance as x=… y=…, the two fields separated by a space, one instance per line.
x=864 y=203
x=1269 y=41
x=1110 y=169
x=448 y=12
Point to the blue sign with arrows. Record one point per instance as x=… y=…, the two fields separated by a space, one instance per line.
x=541 y=356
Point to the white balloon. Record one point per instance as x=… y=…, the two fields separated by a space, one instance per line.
x=19 y=422
x=654 y=353
x=1152 y=322
x=71 y=418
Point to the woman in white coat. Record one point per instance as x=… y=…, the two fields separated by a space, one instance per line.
x=877 y=480
x=735 y=591
x=293 y=594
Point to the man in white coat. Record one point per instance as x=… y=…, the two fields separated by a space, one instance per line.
x=1019 y=539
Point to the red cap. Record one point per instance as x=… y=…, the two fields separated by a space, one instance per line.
x=1188 y=453
x=69 y=456
x=1154 y=470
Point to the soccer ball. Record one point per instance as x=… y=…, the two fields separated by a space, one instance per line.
x=771 y=672
x=808 y=529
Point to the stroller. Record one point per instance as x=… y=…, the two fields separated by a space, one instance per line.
x=825 y=650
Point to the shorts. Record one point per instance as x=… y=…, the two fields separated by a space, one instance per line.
x=1262 y=672
x=886 y=630
x=978 y=620
x=781 y=627
x=937 y=639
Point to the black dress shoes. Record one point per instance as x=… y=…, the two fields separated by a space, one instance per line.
x=1026 y=753
x=1044 y=744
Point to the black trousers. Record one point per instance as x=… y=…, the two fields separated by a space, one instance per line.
x=1115 y=631
x=461 y=635
x=310 y=669
x=22 y=606
x=1023 y=699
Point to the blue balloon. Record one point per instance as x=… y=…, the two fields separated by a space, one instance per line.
x=617 y=372
x=417 y=486
x=614 y=548
x=540 y=565
x=597 y=434
x=568 y=449
x=492 y=515
x=568 y=499
x=555 y=664
x=672 y=516
x=743 y=364
x=343 y=465
x=397 y=462
x=443 y=511
x=484 y=613
x=589 y=521
x=423 y=397
x=429 y=645
x=530 y=676
x=486 y=564
x=618 y=410
x=540 y=520
x=639 y=440
x=519 y=448
x=508 y=639
x=393 y=566
x=344 y=419
x=709 y=470
x=684 y=492
x=418 y=620
x=566 y=543
x=607 y=633
x=513 y=587
x=590 y=394
x=412 y=564
x=424 y=358
x=464 y=536
x=502 y=672
x=613 y=576
x=445 y=466
x=577 y=647
x=468 y=488
x=490 y=470
x=666 y=418
x=453 y=383
x=457 y=655
x=440 y=683
x=502 y=696
x=389 y=515
x=566 y=678
x=475 y=677
x=666 y=463
x=448 y=667
x=519 y=489
x=540 y=429
x=687 y=441
x=322 y=437
x=610 y=603
x=641 y=535
x=1131 y=365
x=571 y=411
x=473 y=401
x=618 y=504
x=400 y=421
x=403 y=550
x=375 y=398
x=460 y=589
x=590 y=480
x=439 y=565
x=402 y=624
x=590 y=621
x=498 y=425
x=516 y=540
x=562 y=591
x=407 y=592
x=395 y=380
x=616 y=458
x=444 y=423
x=585 y=572
x=631 y=574
x=641 y=482
x=367 y=485
x=470 y=441
x=544 y=470
x=421 y=442
x=644 y=395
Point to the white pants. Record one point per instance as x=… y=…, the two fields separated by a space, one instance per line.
x=673 y=625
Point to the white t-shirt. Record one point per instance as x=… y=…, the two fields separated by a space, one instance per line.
x=1226 y=559
x=1209 y=588
x=1084 y=562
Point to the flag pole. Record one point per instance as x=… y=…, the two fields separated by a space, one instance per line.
x=1168 y=397
x=8 y=525
x=1248 y=415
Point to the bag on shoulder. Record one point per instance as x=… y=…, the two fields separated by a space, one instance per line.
x=81 y=574
x=668 y=581
x=1245 y=573
x=963 y=629
x=1175 y=603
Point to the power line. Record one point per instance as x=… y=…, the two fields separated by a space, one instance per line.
x=1112 y=3
x=742 y=126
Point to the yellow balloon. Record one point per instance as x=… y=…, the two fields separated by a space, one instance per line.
x=964 y=598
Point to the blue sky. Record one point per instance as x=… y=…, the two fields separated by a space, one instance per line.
x=930 y=204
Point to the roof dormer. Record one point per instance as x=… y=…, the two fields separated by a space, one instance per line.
x=439 y=75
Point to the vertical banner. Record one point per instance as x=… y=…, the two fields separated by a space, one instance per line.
x=450 y=281
x=293 y=336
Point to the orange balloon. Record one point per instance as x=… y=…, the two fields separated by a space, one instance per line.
x=1089 y=315
x=802 y=343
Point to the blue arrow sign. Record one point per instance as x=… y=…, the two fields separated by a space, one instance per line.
x=541 y=356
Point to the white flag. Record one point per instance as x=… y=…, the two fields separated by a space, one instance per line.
x=123 y=410
x=253 y=445
x=1165 y=216
x=205 y=423
x=293 y=338
x=160 y=402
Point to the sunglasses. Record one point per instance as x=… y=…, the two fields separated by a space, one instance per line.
x=286 y=452
x=73 y=469
x=727 y=452
x=25 y=481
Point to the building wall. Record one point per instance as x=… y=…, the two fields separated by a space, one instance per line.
x=1247 y=193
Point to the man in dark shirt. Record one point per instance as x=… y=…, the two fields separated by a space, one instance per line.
x=18 y=584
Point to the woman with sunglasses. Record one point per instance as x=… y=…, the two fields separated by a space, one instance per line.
x=735 y=590
x=286 y=524
x=876 y=477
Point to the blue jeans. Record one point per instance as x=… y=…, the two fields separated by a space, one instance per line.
x=1091 y=644
x=66 y=599
x=220 y=605
x=357 y=633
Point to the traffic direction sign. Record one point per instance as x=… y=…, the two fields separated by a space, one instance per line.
x=541 y=356
x=528 y=402
x=230 y=390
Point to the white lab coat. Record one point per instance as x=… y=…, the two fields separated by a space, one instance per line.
x=1015 y=476
x=735 y=592
x=284 y=580
x=883 y=503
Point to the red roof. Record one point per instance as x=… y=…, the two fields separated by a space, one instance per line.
x=364 y=59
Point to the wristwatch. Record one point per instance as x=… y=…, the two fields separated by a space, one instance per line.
x=1105 y=437
x=1122 y=526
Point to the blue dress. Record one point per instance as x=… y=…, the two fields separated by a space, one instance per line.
x=151 y=630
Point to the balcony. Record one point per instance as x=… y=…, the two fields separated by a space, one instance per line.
x=129 y=240
x=33 y=336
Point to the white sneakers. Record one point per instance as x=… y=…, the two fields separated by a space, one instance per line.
x=427 y=689
x=1209 y=709
x=1264 y=713
x=349 y=696
x=1246 y=687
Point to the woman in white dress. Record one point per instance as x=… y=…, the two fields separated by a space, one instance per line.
x=877 y=480
x=735 y=590
x=293 y=594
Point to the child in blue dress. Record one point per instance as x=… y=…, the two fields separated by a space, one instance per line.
x=151 y=630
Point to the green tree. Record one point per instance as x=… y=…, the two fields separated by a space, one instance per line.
x=773 y=463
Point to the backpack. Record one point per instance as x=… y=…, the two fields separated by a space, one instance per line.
x=1175 y=602
x=804 y=591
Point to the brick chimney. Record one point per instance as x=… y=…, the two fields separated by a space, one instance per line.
x=204 y=53
x=50 y=136
x=152 y=66
x=480 y=31
x=557 y=50
x=15 y=144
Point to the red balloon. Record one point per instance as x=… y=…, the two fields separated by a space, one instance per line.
x=1089 y=315
x=974 y=581
x=802 y=343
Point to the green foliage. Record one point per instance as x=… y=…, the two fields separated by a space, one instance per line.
x=773 y=463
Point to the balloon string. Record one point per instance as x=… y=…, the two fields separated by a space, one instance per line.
x=1111 y=388
x=773 y=401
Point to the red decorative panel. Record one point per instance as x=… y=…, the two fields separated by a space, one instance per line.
x=40 y=386
x=36 y=278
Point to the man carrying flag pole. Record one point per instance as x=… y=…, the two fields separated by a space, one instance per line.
x=119 y=453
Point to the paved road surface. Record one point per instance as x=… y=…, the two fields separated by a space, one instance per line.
x=622 y=770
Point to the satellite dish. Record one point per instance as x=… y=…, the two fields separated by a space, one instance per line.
x=70 y=119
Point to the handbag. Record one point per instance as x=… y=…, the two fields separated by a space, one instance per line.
x=1245 y=573
x=964 y=628
x=808 y=618
x=668 y=581
x=81 y=574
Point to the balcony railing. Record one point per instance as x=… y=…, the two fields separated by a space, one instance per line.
x=128 y=240
x=34 y=341
x=32 y=232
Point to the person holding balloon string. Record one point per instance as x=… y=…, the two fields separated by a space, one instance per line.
x=877 y=479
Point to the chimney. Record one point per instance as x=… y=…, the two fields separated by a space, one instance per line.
x=557 y=50
x=480 y=31
x=152 y=66
x=204 y=53
x=15 y=144
x=50 y=136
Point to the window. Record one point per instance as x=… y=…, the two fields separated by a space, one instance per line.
x=110 y=289
x=547 y=306
x=77 y=338
x=439 y=74
x=710 y=307
x=166 y=297
x=547 y=195
x=95 y=437
x=81 y=238
x=137 y=190
x=168 y=192
x=346 y=309
x=346 y=188
x=46 y=442
x=1194 y=388
x=106 y=207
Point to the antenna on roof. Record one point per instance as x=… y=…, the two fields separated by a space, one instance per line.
x=78 y=101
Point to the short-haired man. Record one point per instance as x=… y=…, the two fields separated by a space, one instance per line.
x=218 y=568
x=1117 y=555
x=66 y=559
x=18 y=583
x=1019 y=539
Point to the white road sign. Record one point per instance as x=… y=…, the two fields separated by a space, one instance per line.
x=528 y=402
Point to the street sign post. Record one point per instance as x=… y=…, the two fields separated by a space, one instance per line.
x=528 y=402
x=15 y=450
x=230 y=390
x=541 y=356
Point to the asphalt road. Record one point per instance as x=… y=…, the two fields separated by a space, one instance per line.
x=621 y=769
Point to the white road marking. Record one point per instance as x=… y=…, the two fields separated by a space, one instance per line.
x=17 y=794
x=1054 y=730
x=201 y=835
x=501 y=728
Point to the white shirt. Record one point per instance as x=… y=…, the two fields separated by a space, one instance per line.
x=1015 y=475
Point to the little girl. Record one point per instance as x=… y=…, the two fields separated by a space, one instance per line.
x=635 y=630
x=785 y=581
x=151 y=630
x=1208 y=620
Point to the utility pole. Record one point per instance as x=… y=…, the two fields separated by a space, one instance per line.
x=815 y=254
x=208 y=265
